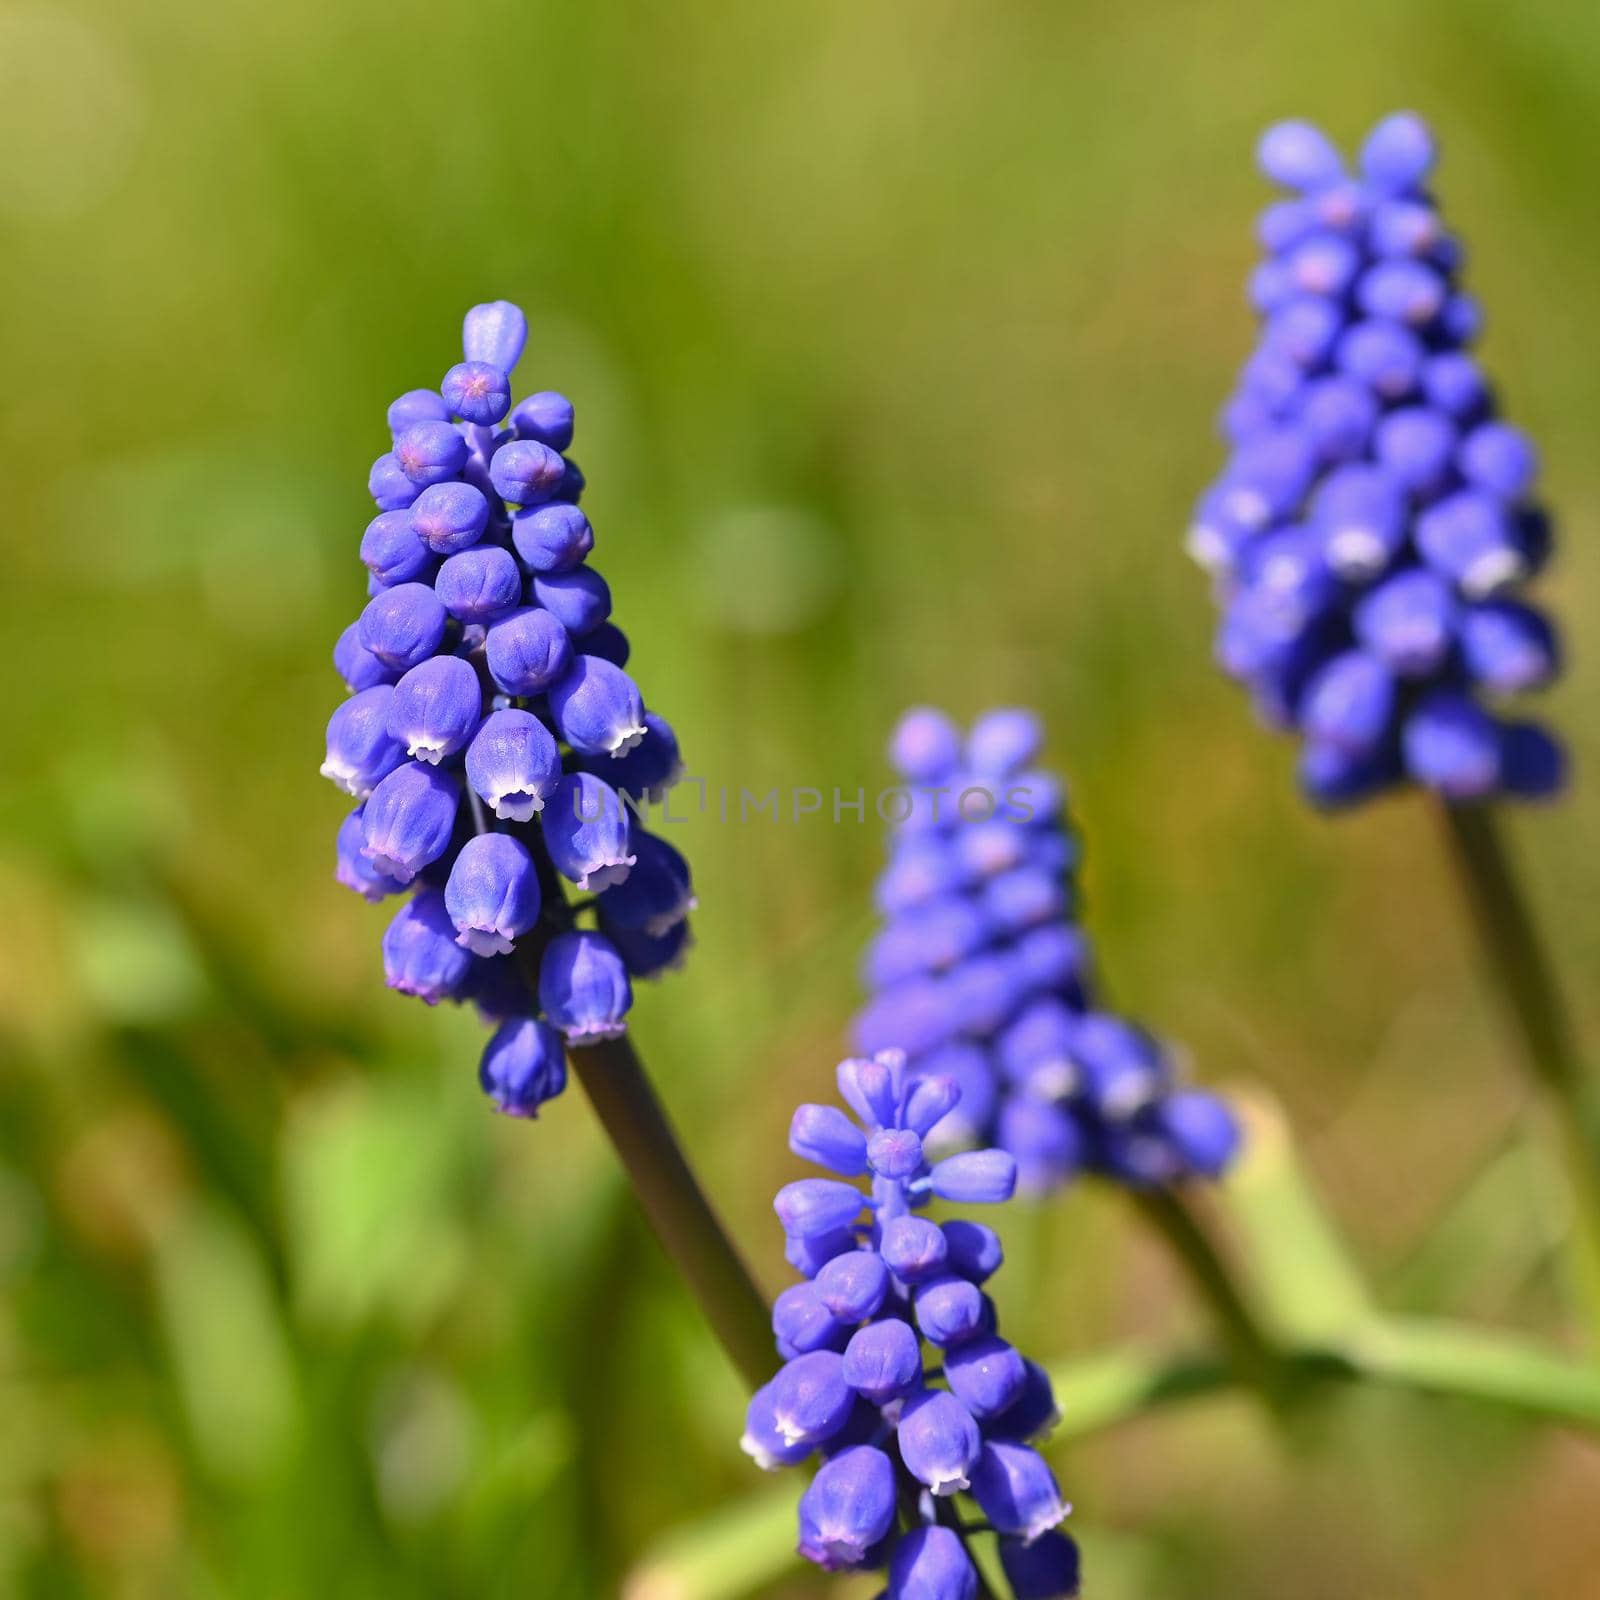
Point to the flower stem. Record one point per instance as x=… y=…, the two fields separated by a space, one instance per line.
x=1253 y=1353
x=1516 y=954
x=675 y=1204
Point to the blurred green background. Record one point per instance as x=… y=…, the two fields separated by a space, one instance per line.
x=895 y=333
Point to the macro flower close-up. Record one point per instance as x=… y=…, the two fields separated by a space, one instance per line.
x=1378 y=518
x=1073 y=602
x=496 y=747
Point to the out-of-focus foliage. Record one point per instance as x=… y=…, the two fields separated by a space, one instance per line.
x=895 y=333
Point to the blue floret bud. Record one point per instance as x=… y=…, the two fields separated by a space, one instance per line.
x=810 y=1399
x=1331 y=777
x=894 y=1153
x=409 y=819
x=361 y=751
x=584 y=988
x=435 y=708
x=1203 y=1132
x=848 y=1509
x=420 y=954
x=1032 y=1415
x=357 y=665
x=826 y=1136
x=580 y=597
x=496 y=333
x=1452 y=745
x=949 y=1310
x=986 y=1375
x=353 y=870
x=414 y=406
x=925 y=746
x=448 y=517
x=871 y=1086
x=525 y=472
x=1402 y=291
x=1404 y=228
x=1045 y=1568
x=1016 y=1490
x=493 y=893
x=1500 y=459
x=939 y=1441
x=1399 y=153
x=914 y=1248
x=554 y=537
x=480 y=585
x=1408 y=622
x=762 y=1442
x=975 y=1250
x=392 y=552
x=802 y=1323
x=883 y=1361
x=546 y=417
x=1360 y=513
x=388 y=484
x=596 y=708
x=1417 y=445
x=523 y=1066
x=1350 y=703
x=1338 y=415
x=403 y=626
x=1385 y=356
x=649 y=770
x=1298 y=156
x=527 y=650
x=586 y=832
x=1324 y=264
x=852 y=1286
x=656 y=895
x=430 y=452
x=1468 y=537
x=975 y=1177
x=1045 y=1137
x=812 y=1207
x=1507 y=647
x=1454 y=383
x=1004 y=741
x=931 y=1563
x=932 y=1096
x=477 y=392
x=513 y=764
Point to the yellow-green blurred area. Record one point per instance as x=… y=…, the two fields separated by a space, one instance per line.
x=895 y=331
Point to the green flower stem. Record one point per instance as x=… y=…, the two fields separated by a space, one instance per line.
x=1516 y=954
x=1252 y=1350
x=675 y=1204
x=1445 y=1359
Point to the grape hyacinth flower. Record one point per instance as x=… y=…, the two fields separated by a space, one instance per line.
x=895 y=1374
x=1377 y=518
x=492 y=732
x=979 y=973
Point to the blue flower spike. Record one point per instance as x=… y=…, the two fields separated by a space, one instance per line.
x=894 y=1372
x=1371 y=533
x=491 y=730
x=981 y=977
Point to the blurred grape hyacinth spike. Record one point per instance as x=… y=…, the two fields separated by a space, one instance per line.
x=981 y=974
x=1370 y=534
x=895 y=1376
x=493 y=739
